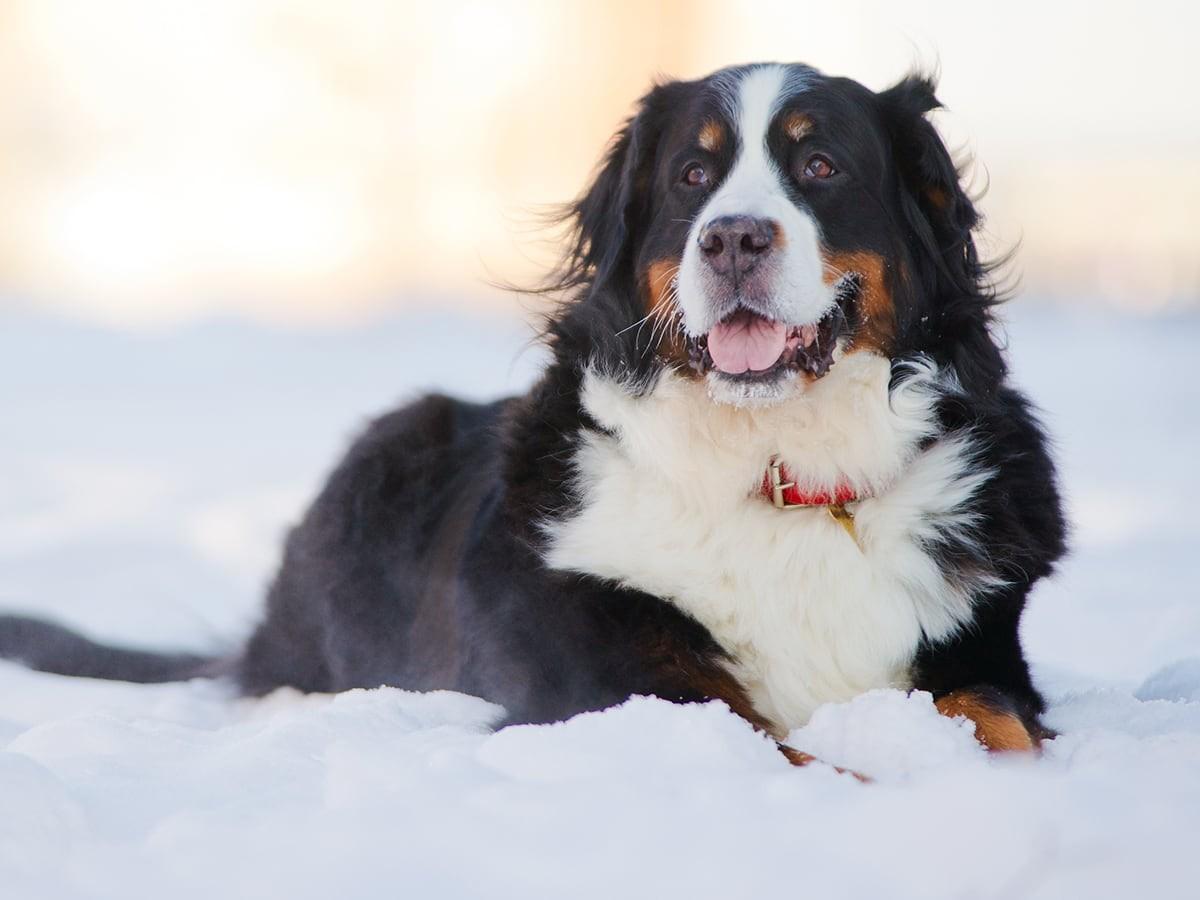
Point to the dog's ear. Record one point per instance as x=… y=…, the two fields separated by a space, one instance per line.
x=936 y=208
x=605 y=216
x=952 y=290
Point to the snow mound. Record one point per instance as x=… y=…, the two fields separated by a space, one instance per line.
x=384 y=792
x=1178 y=681
x=888 y=735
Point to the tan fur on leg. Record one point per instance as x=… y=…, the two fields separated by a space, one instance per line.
x=995 y=728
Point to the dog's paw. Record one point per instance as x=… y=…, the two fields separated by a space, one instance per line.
x=998 y=726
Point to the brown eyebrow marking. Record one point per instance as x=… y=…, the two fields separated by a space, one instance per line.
x=797 y=125
x=712 y=135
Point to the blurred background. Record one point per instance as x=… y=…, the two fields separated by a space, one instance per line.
x=301 y=161
x=232 y=230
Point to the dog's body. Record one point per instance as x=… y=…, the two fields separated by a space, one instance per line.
x=775 y=302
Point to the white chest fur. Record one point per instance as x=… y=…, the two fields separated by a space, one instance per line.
x=671 y=507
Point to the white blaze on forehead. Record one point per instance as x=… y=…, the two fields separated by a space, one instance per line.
x=754 y=180
x=755 y=187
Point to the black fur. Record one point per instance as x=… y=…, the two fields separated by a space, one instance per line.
x=419 y=564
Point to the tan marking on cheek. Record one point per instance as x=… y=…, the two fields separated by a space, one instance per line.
x=660 y=277
x=876 y=309
x=996 y=729
x=797 y=125
x=711 y=136
x=662 y=310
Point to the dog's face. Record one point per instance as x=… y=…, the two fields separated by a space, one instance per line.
x=768 y=220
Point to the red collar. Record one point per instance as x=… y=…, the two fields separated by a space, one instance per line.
x=779 y=487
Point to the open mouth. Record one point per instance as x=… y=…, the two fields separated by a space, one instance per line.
x=748 y=346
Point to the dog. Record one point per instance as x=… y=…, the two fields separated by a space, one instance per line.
x=773 y=459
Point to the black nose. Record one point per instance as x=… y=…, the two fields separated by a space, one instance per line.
x=733 y=244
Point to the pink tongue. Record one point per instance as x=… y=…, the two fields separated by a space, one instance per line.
x=746 y=342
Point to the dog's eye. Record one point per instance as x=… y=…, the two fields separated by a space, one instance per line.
x=818 y=167
x=694 y=175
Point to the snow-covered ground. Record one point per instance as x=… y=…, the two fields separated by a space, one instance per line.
x=144 y=486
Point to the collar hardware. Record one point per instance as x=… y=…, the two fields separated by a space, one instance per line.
x=784 y=494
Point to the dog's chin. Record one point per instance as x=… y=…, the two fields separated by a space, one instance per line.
x=775 y=388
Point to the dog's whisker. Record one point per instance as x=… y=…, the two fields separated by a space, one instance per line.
x=654 y=310
x=640 y=321
x=670 y=272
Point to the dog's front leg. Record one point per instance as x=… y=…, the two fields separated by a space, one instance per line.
x=998 y=724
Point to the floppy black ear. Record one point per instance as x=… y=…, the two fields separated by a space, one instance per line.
x=938 y=210
x=605 y=217
x=954 y=288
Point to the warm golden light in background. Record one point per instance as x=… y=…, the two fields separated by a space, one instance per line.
x=298 y=161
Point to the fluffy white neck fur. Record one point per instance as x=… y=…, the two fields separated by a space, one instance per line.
x=671 y=507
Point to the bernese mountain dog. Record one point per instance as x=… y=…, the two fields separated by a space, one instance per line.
x=773 y=460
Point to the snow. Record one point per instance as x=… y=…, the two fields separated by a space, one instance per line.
x=148 y=481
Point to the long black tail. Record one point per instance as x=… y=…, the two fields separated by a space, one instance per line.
x=51 y=648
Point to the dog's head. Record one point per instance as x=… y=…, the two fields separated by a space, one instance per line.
x=753 y=227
